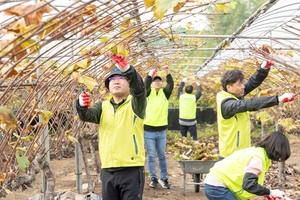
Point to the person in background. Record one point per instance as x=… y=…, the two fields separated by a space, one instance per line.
x=155 y=125
x=188 y=108
x=241 y=175
x=232 y=110
x=121 y=123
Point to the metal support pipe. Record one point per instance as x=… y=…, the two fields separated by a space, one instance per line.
x=78 y=158
x=44 y=136
x=213 y=49
x=237 y=36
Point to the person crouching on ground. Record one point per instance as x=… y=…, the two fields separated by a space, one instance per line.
x=241 y=175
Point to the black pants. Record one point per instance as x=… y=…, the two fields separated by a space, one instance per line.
x=185 y=129
x=126 y=184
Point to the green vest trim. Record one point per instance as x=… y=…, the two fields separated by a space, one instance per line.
x=187 y=106
x=121 y=136
x=230 y=171
x=157 y=109
x=234 y=133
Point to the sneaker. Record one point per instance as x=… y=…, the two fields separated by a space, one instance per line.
x=153 y=183
x=164 y=183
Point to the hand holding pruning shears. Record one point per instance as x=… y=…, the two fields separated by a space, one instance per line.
x=84 y=99
x=276 y=195
x=287 y=97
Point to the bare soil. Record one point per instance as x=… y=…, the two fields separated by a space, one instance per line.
x=64 y=171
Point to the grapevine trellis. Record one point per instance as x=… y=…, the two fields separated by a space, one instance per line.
x=57 y=50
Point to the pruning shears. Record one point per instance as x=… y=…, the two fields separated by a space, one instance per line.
x=275 y=198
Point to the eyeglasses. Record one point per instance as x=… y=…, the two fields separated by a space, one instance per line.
x=119 y=78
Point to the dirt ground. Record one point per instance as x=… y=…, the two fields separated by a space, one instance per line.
x=64 y=171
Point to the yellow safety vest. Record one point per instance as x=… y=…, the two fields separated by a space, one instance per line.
x=230 y=171
x=121 y=136
x=157 y=109
x=187 y=106
x=234 y=133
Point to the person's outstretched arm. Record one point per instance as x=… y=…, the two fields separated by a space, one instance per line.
x=181 y=85
x=258 y=77
x=199 y=91
x=169 y=87
x=137 y=90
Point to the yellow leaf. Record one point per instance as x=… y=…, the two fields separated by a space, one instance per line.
x=49 y=27
x=9 y=192
x=122 y=50
x=104 y=91
x=178 y=6
x=7 y=117
x=71 y=138
x=91 y=9
x=68 y=132
x=287 y=123
x=68 y=70
x=129 y=32
x=28 y=138
x=149 y=3
x=189 y=25
x=89 y=82
x=104 y=38
x=162 y=6
x=232 y=5
x=221 y=6
x=26 y=30
x=83 y=51
x=275 y=71
x=290 y=53
x=264 y=117
x=46 y=115
x=7 y=71
x=21 y=149
x=85 y=63
x=2 y=176
x=33 y=75
x=268 y=92
x=30 y=44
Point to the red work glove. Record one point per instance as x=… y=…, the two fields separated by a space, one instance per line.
x=287 y=97
x=152 y=73
x=121 y=62
x=267 y=64
x=275 y=194
x=274 y=198
x=84 y=99
x=166 y=68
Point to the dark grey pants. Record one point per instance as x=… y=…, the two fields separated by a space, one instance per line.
x=192 y=129
x=125 y=184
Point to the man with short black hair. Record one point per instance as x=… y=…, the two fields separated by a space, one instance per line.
x=232 y=110
x=155 y=125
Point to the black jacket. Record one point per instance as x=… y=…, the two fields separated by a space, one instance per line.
x=231 y=106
